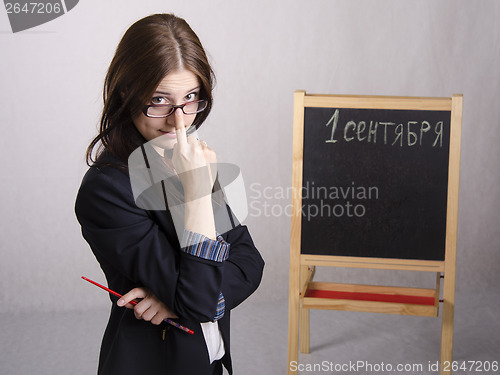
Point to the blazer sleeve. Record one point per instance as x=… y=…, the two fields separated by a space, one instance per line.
x=243 y=268
x=125 y=239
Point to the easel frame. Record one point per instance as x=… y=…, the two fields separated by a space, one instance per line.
x=302 y=266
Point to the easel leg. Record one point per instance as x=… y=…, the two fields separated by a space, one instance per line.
x=447 y=323
x=306 y=275
x=447 y=338
x=293 y=336
x=451 y=234
x=293 y=320
x=304 y=330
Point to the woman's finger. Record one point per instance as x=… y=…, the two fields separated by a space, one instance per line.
x=157 y=319
x=142 y=307
x=130 y=296
x=210 y=155
x=211 y=159
x=180 y=128
x=145 y=312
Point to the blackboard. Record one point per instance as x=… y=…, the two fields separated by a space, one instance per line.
x=375 y=182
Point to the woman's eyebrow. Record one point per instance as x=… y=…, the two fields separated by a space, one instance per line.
x=169 y=94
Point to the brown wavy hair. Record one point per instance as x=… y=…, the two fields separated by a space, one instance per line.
x=149 y=50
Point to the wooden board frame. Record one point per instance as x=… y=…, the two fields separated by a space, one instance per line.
x=302 y=265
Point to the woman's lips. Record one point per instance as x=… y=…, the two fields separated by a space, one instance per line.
x=168 y=134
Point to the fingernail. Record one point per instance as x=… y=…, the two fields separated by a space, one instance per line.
x=120 y=302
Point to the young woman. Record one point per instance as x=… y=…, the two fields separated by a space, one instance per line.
x=175 y=260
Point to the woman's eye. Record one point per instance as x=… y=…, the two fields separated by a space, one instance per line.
x=191 y=97
x=159 y=100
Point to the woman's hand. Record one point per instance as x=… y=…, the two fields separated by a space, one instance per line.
x=193 y=161
x=150 y=308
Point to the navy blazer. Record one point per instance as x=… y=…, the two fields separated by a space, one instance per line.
x=137 y=247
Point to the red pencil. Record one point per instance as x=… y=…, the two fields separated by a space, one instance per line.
x=175 y=324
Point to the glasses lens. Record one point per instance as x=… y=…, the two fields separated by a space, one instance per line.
x=159 y=110
x=166 y=110
x=195 y=107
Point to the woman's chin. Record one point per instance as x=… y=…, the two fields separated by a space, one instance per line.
x=165 y=141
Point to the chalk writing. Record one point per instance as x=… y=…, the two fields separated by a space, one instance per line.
x=409 y=133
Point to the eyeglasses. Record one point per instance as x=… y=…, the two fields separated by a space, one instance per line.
x=165 y=110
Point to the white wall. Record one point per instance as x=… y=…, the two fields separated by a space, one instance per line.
x=50 y=93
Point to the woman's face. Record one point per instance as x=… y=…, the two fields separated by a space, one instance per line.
x=176 y=88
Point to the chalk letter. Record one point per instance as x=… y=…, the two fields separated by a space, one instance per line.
x=373 y=131
x=335 y=119
x=361 y=129
x=439 y=132
x=424 y=130
x=412 y=134
x=399 y=134
x=347 y=126
x=385 y=124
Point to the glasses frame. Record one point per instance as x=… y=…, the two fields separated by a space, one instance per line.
x=174 y=107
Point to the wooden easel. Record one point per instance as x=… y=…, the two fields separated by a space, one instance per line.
x=305 y=294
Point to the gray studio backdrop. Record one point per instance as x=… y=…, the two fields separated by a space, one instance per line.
x=262 y=51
